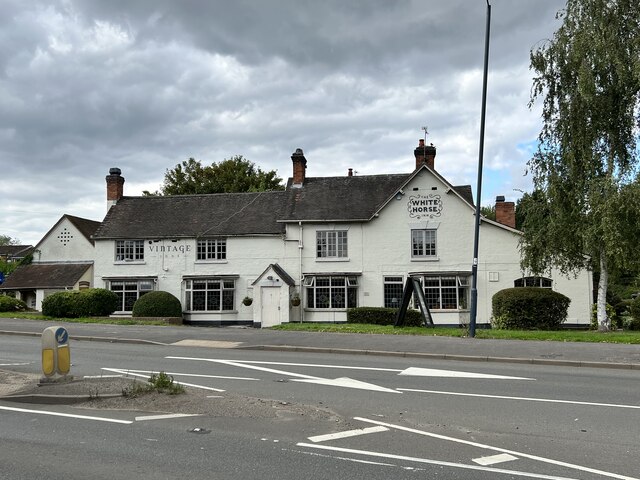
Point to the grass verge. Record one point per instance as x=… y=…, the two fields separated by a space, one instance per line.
x=630 y=337
x=100 y=320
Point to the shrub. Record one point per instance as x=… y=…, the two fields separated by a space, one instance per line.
x=157 y=304
x=60 y=304
x=529 y=308
x=612 y=315
x=382 y=316
x=91 y=302
x=634 y=310
x=96 y=302
x=10 y=304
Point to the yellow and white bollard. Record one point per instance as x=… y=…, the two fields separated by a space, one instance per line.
x=56 y=354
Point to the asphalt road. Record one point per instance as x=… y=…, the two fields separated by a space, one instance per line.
x=390 y=417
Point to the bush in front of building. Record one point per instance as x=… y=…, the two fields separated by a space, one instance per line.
x=10 y=304
x=157 y=304
x=90 y=302
x=634 y=311
x=96 y=302
x=529 y=308
x=60 y=304
x=382 y=316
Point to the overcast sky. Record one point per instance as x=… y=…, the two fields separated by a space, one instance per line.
x=143 y=85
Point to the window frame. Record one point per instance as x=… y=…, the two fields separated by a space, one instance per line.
x=331 y=291
x=211 y=250
x=392 y=284
x=424 y=248
x=441 y=297
x=142 y=288
x=129 y=250
x=536 y=281
x=225 y=293
x=332 y=244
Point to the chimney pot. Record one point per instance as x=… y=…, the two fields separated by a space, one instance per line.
x=351 y=172
x=425 y=155
x=115 y=186
x=505 y=212
x=299 y=167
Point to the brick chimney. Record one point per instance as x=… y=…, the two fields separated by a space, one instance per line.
x=425 y=155
x=115 y=186
x=505 y=212
x=299 y=167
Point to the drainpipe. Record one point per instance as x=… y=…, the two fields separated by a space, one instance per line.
x=300 y=247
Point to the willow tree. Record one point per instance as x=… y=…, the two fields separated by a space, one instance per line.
x=586 y=164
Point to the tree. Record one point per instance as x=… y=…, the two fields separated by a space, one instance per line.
x=488 y=211
x=236 y=174
x=586 y=164
x=7 y=240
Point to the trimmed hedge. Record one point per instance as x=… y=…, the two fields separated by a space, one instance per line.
x=382 y=316
x=529 y=308
x=90 y=302
x=157 y=304
x=10 y=304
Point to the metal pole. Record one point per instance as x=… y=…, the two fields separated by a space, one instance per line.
x=474 y=266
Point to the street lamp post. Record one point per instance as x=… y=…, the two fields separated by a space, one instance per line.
x=474 y=266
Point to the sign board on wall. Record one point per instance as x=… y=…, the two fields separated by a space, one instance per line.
x=421 y=206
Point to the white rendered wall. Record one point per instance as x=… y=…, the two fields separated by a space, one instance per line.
x=64 y=243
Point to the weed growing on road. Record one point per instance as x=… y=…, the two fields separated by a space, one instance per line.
x=161 y=383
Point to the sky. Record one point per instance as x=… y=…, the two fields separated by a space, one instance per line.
x=143 y=85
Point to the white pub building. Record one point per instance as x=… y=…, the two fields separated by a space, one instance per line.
x=329 y=243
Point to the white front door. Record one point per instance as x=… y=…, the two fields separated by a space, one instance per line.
x=270 y=301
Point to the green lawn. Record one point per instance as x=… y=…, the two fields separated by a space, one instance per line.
x=107 y=321
x=556 y=335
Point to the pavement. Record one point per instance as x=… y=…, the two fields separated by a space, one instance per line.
x=577 y=354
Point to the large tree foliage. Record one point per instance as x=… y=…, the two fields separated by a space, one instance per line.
x=585 y=169
x=236 y=174
x=7 y=240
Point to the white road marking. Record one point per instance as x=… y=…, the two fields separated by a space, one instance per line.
x=493 y=459
x=196 y=375
x=164 y=417
x=318 y=365
x=433 y=462
x=127 y=372
x=245 y=365
x=338 y=382
x=347 y=434
x=103 y=376
x=14 y=364
x=333 y=457
x=433 y=372
x=528 y=399
x=347 y=383
x=68 y=415
x=498 y=449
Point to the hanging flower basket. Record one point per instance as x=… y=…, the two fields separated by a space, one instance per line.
x=247 y=301
x=295 y=300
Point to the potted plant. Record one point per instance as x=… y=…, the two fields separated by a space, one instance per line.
x=295 y=299
x=247 y=301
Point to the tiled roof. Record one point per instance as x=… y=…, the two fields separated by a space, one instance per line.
x=87 y=227
x=346 y=198
x=45 y=275
x=194 y=216
x=15 y=250
x=340 y=198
